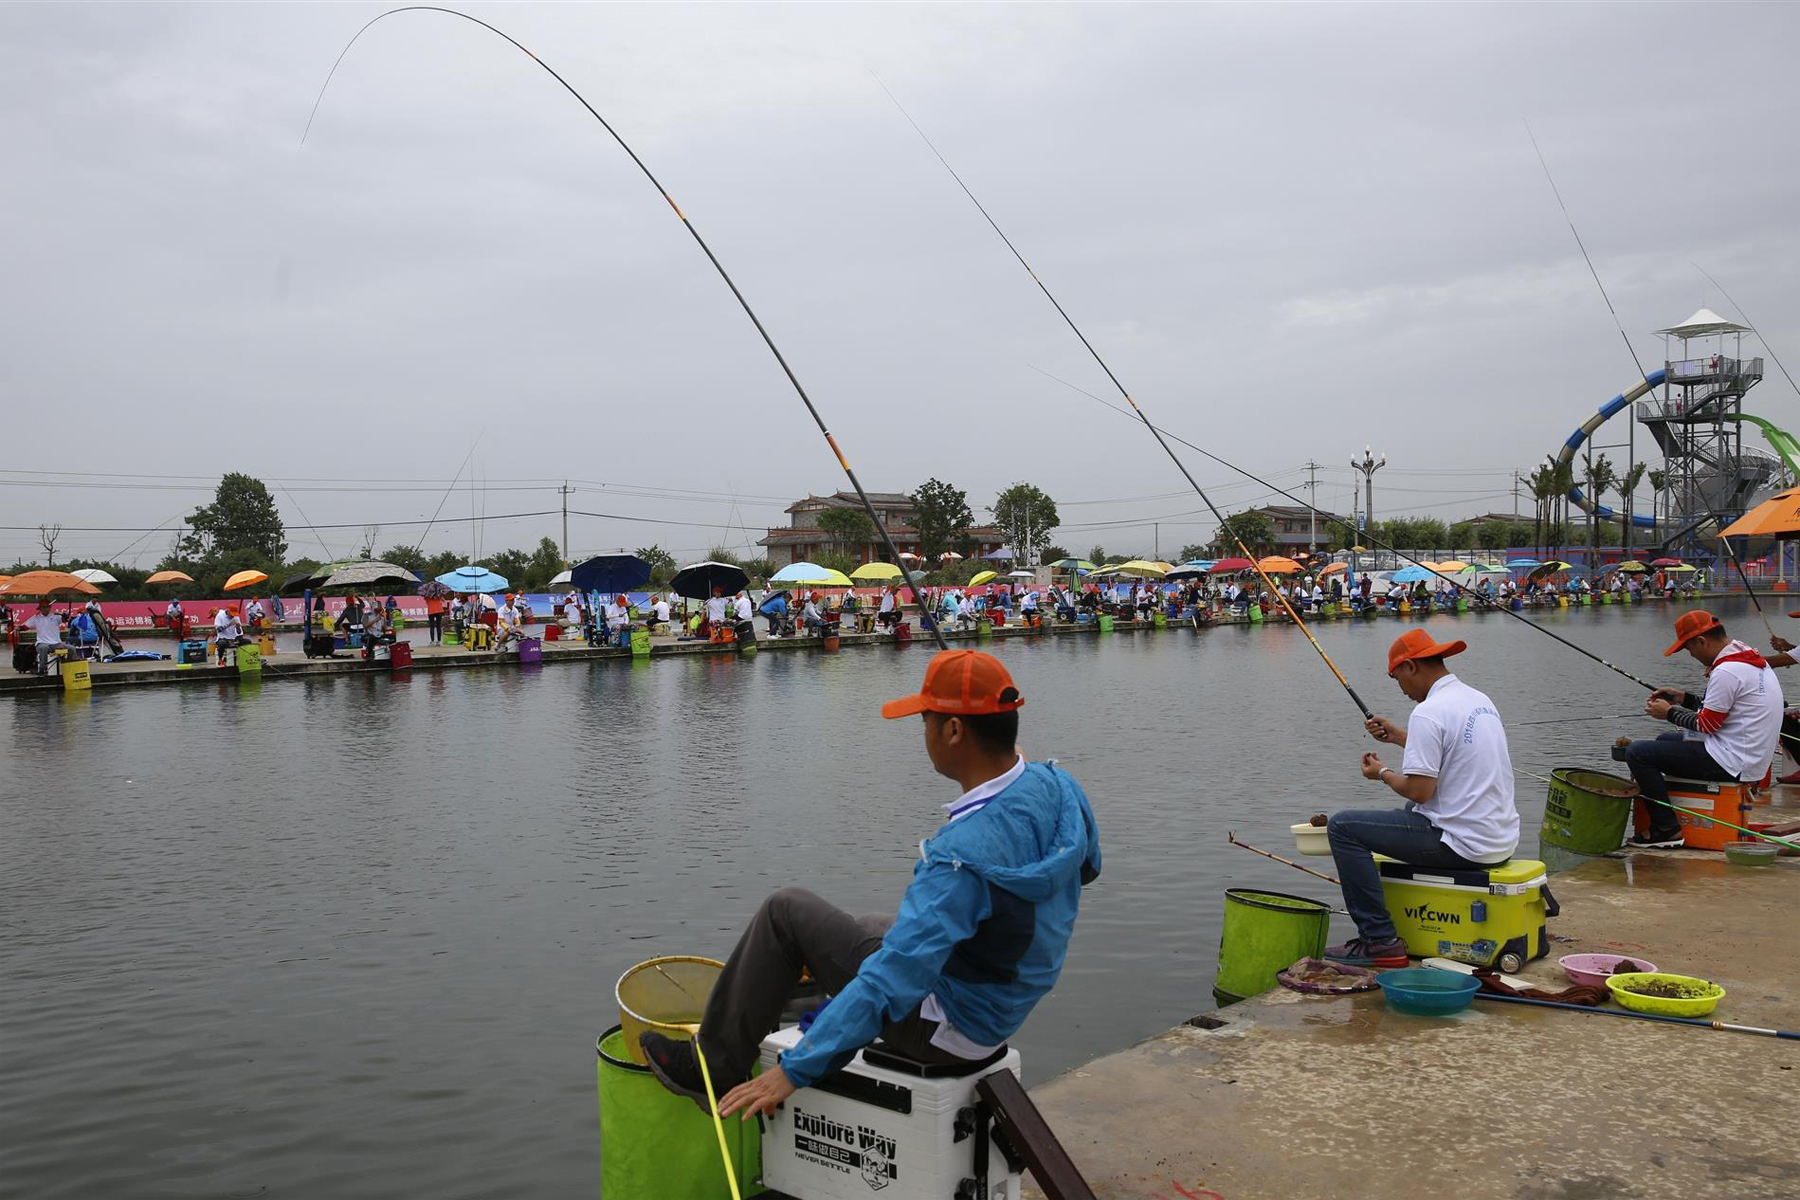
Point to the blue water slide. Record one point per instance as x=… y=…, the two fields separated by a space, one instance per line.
x=1619 y=402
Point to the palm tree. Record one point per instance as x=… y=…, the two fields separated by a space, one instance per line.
x=1600 y=478
x=1628 y=483
x=1538 y=484
x=1658 y=481
x=1562 y=478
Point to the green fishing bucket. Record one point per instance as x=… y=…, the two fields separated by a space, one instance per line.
x=1585 y=811
x=640 y=642
x=1265 y=933
x=1462 y=604
x=984 y=629
x=452 y=637
x=1106 y=623
x=1256 y=615
x=249 y=659
x=655 y=1144
x=1162 y=619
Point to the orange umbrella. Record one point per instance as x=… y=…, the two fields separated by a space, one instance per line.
x=1333 y=569
x=170 y=577
x=1778 y=518
x=244 y=579
x=39 y=584
x=1275 y=564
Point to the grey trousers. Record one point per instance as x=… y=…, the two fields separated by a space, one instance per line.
x=795 y=929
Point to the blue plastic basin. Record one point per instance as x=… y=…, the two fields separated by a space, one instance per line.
x=1428 y=991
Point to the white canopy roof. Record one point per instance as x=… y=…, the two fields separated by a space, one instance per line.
x=1704 y=323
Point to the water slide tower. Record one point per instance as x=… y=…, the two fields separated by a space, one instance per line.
x=1697 y=421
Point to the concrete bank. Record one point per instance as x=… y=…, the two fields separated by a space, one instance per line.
x=1294 y=1096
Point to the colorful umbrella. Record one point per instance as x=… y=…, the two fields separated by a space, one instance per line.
x=368 y=572
x=1229 y=566
x=1553 y=567
x=1411 y=575
x=1665 y=562
x=1022 y=574
x=1072 y=564
x=1778 y=518
x=1141 y=568
x=946 y=556
x=1333 y=569
x=1522 y=564
x=983 y=577
x=1275 y=564
x=41 y=584
x=1680 y=569
x=170 y=577
x=94 y=575
x=244 y=579
x=1449 y=566
x=1631 y=567
x=877 y=570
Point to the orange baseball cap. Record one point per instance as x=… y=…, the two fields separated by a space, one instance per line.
x=963 y=683
x=1416 y=643
x=1690 y=625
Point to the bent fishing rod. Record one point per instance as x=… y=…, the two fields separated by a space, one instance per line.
x=1699 y=493
x=887 y=539
x=1224 y=526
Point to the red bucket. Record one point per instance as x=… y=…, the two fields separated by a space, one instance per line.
x=553 y=632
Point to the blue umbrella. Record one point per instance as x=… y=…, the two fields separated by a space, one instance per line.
x=610 y=574
x=1412 y=575
x=800 y=572
x=473 y=579
x=1521 y=564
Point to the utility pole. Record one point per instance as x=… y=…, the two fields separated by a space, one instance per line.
x=1515 y=495
x=1156 y=539
x=565 y=506
x=1368 y=465
x=1312 y=506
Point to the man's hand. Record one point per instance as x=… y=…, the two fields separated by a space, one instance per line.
x=1372 y=766
x=1384 y=730
x=1672 y=695
x=1658 y=707
x=759 y=1095
x=1780 y=643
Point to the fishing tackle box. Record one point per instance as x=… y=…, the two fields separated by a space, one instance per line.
x=1486 y=916
x=885 y=1125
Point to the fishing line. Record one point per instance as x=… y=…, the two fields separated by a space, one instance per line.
x=307 y=519
x=1334 y=519
x=1224 y=526
x=1632 y=350
x=448 y=490
x=1747 y=321
x=812 y=409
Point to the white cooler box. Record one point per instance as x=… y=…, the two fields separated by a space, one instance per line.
x=883 y=1128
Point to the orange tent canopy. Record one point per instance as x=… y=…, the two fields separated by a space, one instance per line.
x=38 y=584
x=1778 y=517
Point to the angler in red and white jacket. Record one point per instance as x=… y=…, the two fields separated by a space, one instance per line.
x=1726 y=735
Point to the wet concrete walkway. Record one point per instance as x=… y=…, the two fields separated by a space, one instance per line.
x=1297 y=1097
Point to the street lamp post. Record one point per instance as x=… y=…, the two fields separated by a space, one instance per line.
x=1368 y=465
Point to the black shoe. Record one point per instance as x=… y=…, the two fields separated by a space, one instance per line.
x=677 y=1068
x=1654 y=840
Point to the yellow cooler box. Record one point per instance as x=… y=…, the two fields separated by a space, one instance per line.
x=1487 y=916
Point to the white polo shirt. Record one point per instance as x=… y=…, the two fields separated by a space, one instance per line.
x=1455 y=736
x=1740 y=717
x=47 y=626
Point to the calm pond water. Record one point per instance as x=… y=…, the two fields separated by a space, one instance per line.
x=356 y=937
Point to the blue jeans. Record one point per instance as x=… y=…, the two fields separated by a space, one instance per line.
x=1672 y=754
x=1358 y=834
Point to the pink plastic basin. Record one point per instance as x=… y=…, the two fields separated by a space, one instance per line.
x=1593 y=969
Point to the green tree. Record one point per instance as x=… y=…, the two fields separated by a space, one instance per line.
x=242 y=517
x=442 y=563
x=1055 y=554
x=1599 y=477
x=1097 y=555
x=1252 y=529
x=942 y=514
x=837 y=560
x=1659 y=481
x=1192 y=554
x=512 y=565
x=662 y=563
x=1027 y=514
x=543 y=564
x=849 y=529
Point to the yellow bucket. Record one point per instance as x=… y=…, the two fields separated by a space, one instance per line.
x=667 y=995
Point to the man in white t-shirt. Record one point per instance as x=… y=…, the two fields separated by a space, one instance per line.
x=1456 y=779
x=1726 y=735
x=48 y=627
x=715 y=609
x=659 y=612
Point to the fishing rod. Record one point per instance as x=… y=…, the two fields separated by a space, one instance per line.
x=1636 y=362
x=812 y=409
x=451 y=488
x=1720 y=1026
x=1335 y=519
x=1224 y=526
x=1747 y=321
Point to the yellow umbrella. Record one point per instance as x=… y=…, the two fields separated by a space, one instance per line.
x=1166 y=567
x=1138 y=566
x=877 y=570
x=984 y=577
x=1275 y=564
x=244 y=579
x=1778 y=518
x=1449 y=566
x=170 y=577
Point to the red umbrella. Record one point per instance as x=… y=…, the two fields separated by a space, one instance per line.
x=1226 y=566
x=1665 y=562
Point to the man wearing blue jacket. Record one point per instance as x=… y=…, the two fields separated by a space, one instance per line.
x=979 y=939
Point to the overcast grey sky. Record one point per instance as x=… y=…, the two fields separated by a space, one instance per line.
x=1291 y=230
